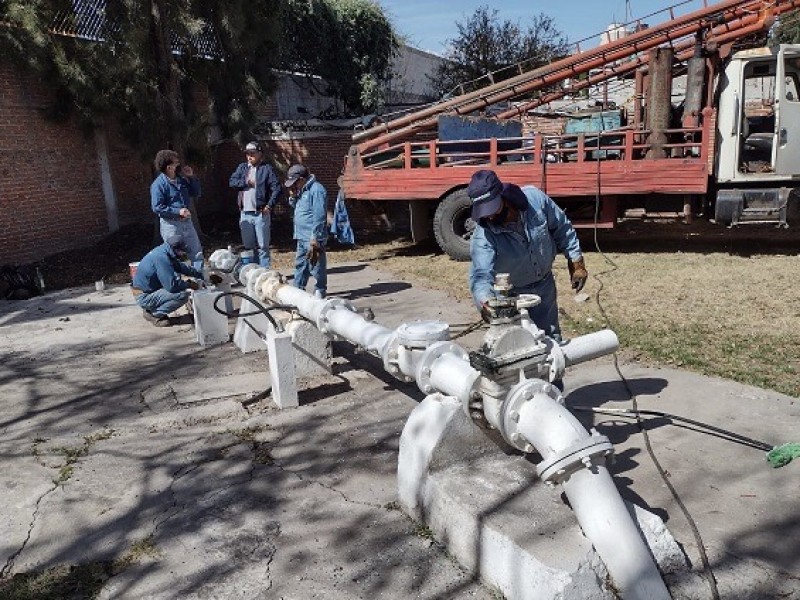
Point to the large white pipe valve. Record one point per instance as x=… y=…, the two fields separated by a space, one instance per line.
x=223 y=260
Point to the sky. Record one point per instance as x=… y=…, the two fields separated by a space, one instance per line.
x=428 y=24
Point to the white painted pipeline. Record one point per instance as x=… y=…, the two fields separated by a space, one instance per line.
x=307 y=305
x=355 y=328
x=590 y=346
x=344 y=323
x=449 y=373
x=453 y=376
x=546 y=424
x=602 y=514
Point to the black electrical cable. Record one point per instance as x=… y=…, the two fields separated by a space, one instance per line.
x=260 y=310
x=730 y=436
x=708 y=572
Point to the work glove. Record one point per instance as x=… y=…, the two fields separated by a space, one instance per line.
x=486 y=313
x=313 y=254
x=577 y=274
x=215 y=279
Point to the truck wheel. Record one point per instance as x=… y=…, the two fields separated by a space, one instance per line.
x=453 y=225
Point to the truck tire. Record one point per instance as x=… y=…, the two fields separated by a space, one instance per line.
x=453 y=225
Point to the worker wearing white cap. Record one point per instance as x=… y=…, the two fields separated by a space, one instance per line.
x=259 y=189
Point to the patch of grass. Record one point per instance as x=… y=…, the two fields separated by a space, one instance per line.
x=423 y=531
x=247 y=434
x=74 y=582
x=71 y=454
x=262 y=454
x=82 y=582
x=144 y=548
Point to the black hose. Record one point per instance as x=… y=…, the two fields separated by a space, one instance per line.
x=731 y=436
x=261 y=309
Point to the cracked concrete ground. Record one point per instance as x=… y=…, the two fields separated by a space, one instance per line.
x=116 y=435
x=115 y=432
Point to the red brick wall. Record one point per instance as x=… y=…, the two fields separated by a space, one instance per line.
x=132 y=178
x=51 y=195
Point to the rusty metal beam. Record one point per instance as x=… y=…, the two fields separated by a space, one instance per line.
x=668 y=32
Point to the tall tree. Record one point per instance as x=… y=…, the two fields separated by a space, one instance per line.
x=787 y=31
x=145 y=64
x=485 y=44
x=347 y=43
x=140 y=61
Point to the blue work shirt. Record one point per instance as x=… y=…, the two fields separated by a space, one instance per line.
x=266 y=183
x=311 y=212
x=167 y=198
x=526 y=252
x=161 y=269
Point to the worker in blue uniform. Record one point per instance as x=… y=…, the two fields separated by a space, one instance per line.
x=310 y=202
x=159 y=285
x=520 y=231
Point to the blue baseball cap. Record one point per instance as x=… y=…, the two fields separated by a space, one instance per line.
x=485 y=190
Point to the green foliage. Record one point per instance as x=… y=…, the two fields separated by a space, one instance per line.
x=486 y=44
x=129 y=72
x=144 y=69
x=349 y=44
x=787 y=31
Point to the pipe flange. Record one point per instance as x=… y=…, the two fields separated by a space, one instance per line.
x=261 y=279
x=583 y=454
x=246 y=272
x=329 y=305
x=558 y=363
x=516 y=397
x=389 y=356
x=429 y=356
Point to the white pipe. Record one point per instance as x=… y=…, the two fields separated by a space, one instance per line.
x=602 y=514
x=453 y=376
x=590 y=346
x=542 y=421
x=341 y=321
x=352 y=326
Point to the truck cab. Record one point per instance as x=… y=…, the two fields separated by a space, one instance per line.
x=757 y=158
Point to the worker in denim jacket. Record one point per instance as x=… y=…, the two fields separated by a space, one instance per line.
x=520 y=231
x=259 y=189
x=170 y=197
x=159 y=285
x=310 y=202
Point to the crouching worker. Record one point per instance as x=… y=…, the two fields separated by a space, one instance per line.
x=158 y=286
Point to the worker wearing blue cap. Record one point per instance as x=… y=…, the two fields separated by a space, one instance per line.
x=159 y=286
x=520 y=231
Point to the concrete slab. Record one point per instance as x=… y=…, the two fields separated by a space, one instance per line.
x=247 y=501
